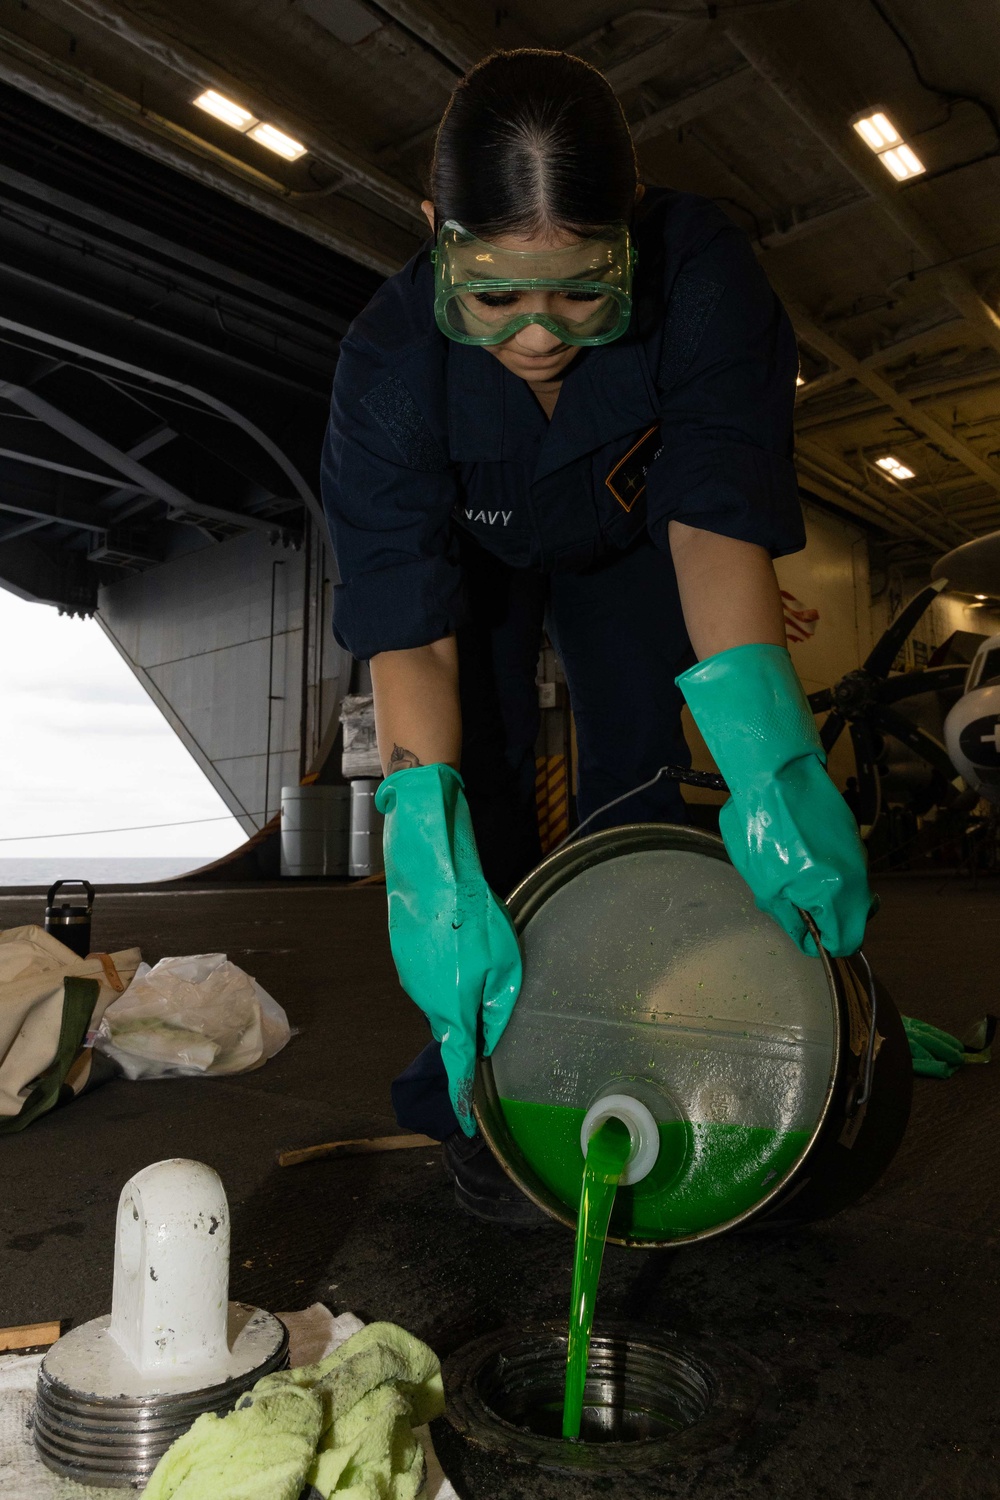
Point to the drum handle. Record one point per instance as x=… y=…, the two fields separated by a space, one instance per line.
x=710 y=779
x=869 y=1069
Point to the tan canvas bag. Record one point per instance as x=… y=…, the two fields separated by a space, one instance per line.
x=40 y=1014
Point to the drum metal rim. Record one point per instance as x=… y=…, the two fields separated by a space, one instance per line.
x=523 y=903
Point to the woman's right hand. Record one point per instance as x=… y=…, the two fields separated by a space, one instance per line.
x=453 y=943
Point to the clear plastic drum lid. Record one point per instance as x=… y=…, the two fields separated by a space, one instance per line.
x=654 y=974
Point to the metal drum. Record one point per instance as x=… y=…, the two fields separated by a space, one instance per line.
x=315 y=830
x=650 y=973
x=366 y=828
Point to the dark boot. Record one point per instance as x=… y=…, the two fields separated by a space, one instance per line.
x=482 y=1187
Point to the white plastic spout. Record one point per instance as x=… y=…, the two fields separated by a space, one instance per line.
x=170 y=1303
x=641 y=1126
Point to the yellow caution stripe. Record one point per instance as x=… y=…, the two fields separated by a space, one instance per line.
x=552 y=799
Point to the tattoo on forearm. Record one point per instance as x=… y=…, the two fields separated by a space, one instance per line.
x=402 y=760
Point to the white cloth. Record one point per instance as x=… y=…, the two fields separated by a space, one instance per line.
x=312 y=1334
x=23 y=1476
x=189 y=1016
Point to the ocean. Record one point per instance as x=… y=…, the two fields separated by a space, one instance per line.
x=46 y=869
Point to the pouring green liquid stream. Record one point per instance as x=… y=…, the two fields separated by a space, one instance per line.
x=607 y=1153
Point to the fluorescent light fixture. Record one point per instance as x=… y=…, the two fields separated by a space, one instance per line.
x=894 y=467
x=881 y=136
x=226 y=110
x=903 y=162
x=877 y=131
x=276 y=140
x=231 y=113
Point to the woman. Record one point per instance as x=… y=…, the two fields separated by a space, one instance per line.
x=573 y=406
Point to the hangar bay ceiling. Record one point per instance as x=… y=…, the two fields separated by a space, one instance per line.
x=174 y=284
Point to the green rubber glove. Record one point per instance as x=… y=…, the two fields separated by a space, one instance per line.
x=787 y=829
x=938 y=1054
x=934 y=1053
x=455 y=948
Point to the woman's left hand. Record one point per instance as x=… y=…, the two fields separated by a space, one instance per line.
x=787 y=829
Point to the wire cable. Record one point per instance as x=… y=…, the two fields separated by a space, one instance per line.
x=952 y=95
x=83 y=833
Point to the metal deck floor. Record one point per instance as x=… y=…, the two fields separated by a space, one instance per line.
x=879 y=1327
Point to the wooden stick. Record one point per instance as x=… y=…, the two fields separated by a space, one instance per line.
x=369 y=1147
x=30 y=1336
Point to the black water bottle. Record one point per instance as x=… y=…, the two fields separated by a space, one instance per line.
x=70 y=922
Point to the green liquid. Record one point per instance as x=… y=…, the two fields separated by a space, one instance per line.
x=607 y=1153
x=704 y=1176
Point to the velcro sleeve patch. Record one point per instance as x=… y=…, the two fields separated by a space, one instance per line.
x=692 y=302
x=402 y=421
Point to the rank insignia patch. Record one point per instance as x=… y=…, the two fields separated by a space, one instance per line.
x=627 y=480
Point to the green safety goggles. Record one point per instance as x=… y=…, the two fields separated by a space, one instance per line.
x=484 y=294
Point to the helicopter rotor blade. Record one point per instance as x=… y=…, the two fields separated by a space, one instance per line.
x=821 y=701
x=887 y=649
x=930 y=680
x=869 y=781
x=925 y=745
x=832 y=730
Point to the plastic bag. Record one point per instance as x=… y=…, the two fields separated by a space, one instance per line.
x=199 y=1014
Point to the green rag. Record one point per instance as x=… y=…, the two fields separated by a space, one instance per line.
x=938 y=1054
x=344 y=1426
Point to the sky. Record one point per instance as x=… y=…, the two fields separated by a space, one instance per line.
x=82 y=747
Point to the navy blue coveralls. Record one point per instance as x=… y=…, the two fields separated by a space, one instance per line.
x=455 y=506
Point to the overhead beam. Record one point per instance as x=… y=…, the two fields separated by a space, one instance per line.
x=806 y=224
x=820 y=467
x=196 y=66
x=910 y=505
x=33 y=461
x=125 y=500
x=452 y=30
x=829 y=381
x=22 y=528
x=454 y=34
x=75 y=353
x=784 y=75
x=948 y=332
x=926 y=393
x=823 y=343
x=951 y=331
x=642 y=65
x=91 y=442
x=366 y=239
x=815 y=482
x=692 y=105
x=21 y=499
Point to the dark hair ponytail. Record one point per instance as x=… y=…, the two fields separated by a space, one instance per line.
x=533 y=140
